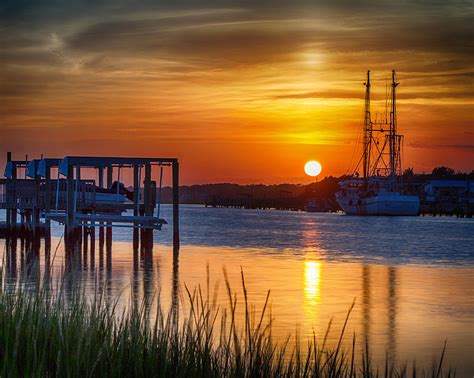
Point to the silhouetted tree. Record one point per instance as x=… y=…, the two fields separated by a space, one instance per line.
x=442 y=172
x=409 y=172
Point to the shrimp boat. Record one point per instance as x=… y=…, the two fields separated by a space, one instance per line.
x=378 y=191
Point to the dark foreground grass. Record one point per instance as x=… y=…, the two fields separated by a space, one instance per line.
x=43 y=334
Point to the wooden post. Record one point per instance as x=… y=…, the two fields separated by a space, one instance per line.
x=108 y=236
x=70 y=201
x=76 y=186
x=35 y=220
x=101 y=177
x=147 y=234
x=136 y=205
x=136 y=190
x=147 y=189
x=9 y=217
x=176 y=205
x=110 y=171
x=48 y=197
x=85 y=245
x=13 y=212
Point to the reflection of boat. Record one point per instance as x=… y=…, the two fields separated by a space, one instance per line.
x=313 y=206
x=377 y=192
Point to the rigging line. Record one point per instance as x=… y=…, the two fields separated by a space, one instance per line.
x=358 y=137
x=380 y=157
x=356 y=147
x=360 y=160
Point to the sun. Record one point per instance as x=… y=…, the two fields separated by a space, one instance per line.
x=313 y=168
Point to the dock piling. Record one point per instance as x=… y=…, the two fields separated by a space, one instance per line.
x=176 y=205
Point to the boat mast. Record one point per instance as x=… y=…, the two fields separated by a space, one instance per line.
x=393 y=135
x=367 y=128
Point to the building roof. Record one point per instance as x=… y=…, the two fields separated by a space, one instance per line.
x=467 y=184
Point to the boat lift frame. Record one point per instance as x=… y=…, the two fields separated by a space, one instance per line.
x=94 y=214
x=71 y=165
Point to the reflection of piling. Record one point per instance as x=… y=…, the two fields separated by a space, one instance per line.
x=29 y=263
x=148 y=287
x=11 y=258
x=147 y=247
x=47 y=261
x=108 y=250
x=135 y=282
x=175 y=290
x=85 y=238
x=47 y=251
x=22 y=248
x=101 y=237
x=101 y=250
x=392 y=314
x=92 y=241
x=136 y=239
x=366 y=303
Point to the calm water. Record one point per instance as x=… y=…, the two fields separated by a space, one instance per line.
x=412 y=278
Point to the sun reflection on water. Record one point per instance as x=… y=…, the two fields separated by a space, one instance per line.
x=312 y=293
x=312 y=278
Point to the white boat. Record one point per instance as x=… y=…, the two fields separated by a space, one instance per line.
x=355 y=198
x=109 y=198
x=113 y=194
x=378 y=191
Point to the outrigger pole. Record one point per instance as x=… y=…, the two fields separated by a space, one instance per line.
x=393 y=137
x=367 y=128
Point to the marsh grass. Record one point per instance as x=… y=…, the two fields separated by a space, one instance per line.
x=46 y=333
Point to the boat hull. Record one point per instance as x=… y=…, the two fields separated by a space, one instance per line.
x=109 y=198
x=390 y=203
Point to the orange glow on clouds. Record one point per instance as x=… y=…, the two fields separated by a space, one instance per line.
x=235 y=99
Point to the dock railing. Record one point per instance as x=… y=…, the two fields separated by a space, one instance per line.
x=26 y=194
x=18 y=194
x=55 y=199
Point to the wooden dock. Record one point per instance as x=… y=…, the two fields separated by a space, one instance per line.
x=77 y=203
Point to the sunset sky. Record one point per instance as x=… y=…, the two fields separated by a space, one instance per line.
x=239 y=91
